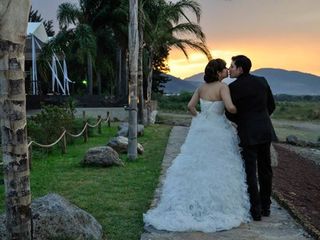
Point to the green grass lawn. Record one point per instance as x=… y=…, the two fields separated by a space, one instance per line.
x=300 y=111
x=118 y=196
x=173 y=111
x=291 y=110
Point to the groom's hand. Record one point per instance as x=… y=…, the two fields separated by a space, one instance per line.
x=230 y=116
x=234 y=125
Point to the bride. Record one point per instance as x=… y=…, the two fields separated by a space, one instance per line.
x=205 y=189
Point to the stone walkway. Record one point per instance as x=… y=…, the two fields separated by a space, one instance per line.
x=280 y=225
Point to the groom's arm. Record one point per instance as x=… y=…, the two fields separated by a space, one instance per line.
x=231 y=117
x=270 y=104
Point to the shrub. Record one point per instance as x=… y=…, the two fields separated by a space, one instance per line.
x=48 y=125
x=175 y=102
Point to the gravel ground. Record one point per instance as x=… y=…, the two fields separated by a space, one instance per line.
x=309 y=153
x=296 y=182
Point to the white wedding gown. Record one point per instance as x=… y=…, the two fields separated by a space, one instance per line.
x=204 y=188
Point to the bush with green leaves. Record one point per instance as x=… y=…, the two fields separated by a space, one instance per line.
x=175 y=102
x=48 y=125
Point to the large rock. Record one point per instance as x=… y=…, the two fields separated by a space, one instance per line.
x=102 y=156
x=120 y=144
x=55 y=218
x=123 y=129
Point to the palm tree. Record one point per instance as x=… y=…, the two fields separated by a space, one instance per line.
x=35 y=16
x=110 y=23
x=13 y=118
x=141 y=24
x=83 y=37
x=133 y=45
x=163 y=30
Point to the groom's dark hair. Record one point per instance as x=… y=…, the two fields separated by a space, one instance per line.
x=242 y=61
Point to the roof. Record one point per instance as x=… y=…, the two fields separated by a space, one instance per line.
x=37 y=29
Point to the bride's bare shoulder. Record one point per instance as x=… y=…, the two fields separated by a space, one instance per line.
x=201 y=87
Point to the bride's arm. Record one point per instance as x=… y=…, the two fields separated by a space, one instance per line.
x=226 y=97
x=193 y=103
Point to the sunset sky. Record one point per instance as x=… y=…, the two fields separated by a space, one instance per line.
x=273 y=33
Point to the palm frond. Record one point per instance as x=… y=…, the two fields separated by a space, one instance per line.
x=198 y=46
x=189 y=28
x=86 y=41
x=180 y=45
x=175 y=10
x=67 y=14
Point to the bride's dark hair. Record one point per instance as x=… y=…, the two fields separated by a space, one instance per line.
x=213 y=67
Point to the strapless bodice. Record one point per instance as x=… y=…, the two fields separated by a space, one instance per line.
x=209 y=107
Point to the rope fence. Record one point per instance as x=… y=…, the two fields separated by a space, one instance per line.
x=65 y=133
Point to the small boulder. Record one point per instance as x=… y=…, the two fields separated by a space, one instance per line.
x=120 y=144
x=102 y=156
x=274 y=156
x=291 y=139
x=153 y=117
x=313 y=144
x=54 y=217
x=123 y=129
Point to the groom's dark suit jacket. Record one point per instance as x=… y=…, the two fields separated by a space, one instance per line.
x=254 y=101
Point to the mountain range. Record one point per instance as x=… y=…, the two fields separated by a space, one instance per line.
x=281 y=82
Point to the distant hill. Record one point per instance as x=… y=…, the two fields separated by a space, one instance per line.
x=177 y=85
x=281 y=82
x=290 y=82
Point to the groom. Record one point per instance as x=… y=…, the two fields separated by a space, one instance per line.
x=254 y=101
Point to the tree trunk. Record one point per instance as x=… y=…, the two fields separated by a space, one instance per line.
x=124 y=74
x=141 y=110
x=133 y=74
x=149 y=87
x=99 y=82
x=119 y=71
x=90 y=75
x=13 y=118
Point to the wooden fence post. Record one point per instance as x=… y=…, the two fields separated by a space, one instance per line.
x=29 y=154
x=84 y=115
x=64 y=143
x=108 y=117
x=85 y=134
x=99 y=125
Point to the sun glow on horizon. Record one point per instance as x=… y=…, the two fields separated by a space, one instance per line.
x=291 y=59
x=183 y=68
